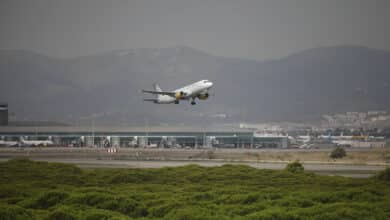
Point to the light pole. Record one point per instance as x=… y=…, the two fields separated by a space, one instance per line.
x=93 y=132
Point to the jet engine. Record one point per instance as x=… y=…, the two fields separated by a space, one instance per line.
x=180 y=95
x=203 y=96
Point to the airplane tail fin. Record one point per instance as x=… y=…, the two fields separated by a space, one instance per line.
x=157 y=89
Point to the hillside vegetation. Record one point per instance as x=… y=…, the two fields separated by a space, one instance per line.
x=41 y=190
x=299 y=87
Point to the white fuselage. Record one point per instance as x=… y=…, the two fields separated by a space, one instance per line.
x=8 y=143
x=36 y=142
x=191 y=91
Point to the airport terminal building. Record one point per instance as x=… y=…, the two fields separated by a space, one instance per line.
x=161 y=137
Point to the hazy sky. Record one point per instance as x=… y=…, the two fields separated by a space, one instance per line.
x=250 y=29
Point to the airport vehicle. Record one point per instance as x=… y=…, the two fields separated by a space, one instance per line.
x=195 y=90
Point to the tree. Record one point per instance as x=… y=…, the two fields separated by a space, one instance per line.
x=338 y=152
x=295 y=167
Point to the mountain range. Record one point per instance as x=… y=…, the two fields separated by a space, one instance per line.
x=105 y=87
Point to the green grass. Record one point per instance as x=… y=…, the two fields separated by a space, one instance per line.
x=41 y=190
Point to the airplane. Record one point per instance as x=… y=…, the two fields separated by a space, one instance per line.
x=24 y=142
x=304 y=138
x=195 y=90
x=8 y=143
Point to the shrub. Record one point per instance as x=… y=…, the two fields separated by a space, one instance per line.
x=295 y=167
x=7 y=191
x=191 y=213
x=190 y=192
x=120 y=204
x=61 y=213
x=13 y=212
x=384 y=175
x=94 y=214
x=49 y=199
x=338 y=152
x=245 y=210
x=97 y=216
x=272 y=214
x=164 y=208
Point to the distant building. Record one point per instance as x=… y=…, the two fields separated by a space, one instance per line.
x=3 y=114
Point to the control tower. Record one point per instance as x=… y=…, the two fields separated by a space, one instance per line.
x=3 y=114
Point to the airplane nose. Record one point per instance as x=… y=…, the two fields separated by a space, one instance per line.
x=211 y=84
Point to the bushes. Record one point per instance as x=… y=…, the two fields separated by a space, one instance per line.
x=193 y=213
x=295 y=167
x=7 y=191
x=48 y=199
x=62 y=213
x=241 y=198
x=99 y=214
x=384 y=175
x=163 y=208
x=120 y=204
x=74 y=212
x=190 y=192
x=273 y=214
x=294 y=202
x=342 y=210
x=337 y=153
x=41 y=173
x=8 y=212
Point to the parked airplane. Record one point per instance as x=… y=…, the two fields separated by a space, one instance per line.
x=8 y=143
x=24 y=142
x=198 y=90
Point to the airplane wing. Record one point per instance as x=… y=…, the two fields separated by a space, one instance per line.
x=159 y=93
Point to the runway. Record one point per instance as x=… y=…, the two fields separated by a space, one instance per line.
x=357 y=171
x=314 y=161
